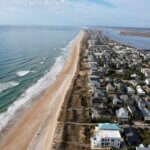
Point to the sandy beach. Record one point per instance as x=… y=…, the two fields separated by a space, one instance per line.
x=35 y=129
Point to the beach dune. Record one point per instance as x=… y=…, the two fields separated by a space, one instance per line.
x=35 y=129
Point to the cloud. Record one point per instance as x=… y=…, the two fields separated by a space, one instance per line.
x=76 y=12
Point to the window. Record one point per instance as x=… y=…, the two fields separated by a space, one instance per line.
x=112 y=140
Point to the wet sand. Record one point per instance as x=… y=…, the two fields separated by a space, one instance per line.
x=35 y=129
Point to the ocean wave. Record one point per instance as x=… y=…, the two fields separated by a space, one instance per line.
x=41 y=62
x=22 y=73
x=7 y=85
x=32 y=92
x=63 y=49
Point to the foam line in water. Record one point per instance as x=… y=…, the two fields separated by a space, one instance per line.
x=7 y=85
x=22 y=73
x=35 y=90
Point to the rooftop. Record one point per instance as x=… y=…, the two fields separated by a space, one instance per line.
x=108 y=134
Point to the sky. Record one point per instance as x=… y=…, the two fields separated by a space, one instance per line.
x=131 y=13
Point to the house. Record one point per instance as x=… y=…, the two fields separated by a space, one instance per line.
x=141 y=103
x=121 y=71
x=134 y=83
x=126 y=99
x=106 y=135
x=134 y=75
x=94 y=80
x=147 y=99
x=122 y=114
x=95 y=114
x=146 y=72
x=146 y=114
x=146 y=88
x=140 y=91
x=120 y=88
x=147 y=81
x=135 y=113
x=116 y=101
x=104 y=113
x=93 y=66
x=141 y=147
x=131 y=136
x=130 y=90
x=110 y=89
x=100 y=112
x=92 y=42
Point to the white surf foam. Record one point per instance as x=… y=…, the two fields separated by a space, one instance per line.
x=7 y=85
x=22 y=73
x=41 y=62
x=31 y=92
x=35 y=90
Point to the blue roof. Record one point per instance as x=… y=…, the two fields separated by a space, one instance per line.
x=108 y=126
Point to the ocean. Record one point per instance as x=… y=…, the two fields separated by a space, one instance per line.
x=30 y=60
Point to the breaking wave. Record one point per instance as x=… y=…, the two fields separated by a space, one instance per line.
x=5 y=86
x=22 y=73
x=30 y=93
x=35 y=90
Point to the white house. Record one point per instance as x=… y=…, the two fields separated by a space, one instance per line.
x=146 y=72
x=122 y=114
x=130 y=90
x=140 y=91
x=147 y=81
x=106 y=135
x=142 y=147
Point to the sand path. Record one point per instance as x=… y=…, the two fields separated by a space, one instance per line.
x=35 y=129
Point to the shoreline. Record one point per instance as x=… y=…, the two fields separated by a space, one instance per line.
x=39 y=122
x=29 y=96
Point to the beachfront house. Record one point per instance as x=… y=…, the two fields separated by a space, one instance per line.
x=106 y=135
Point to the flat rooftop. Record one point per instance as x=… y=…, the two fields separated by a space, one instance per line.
x=108 y=134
